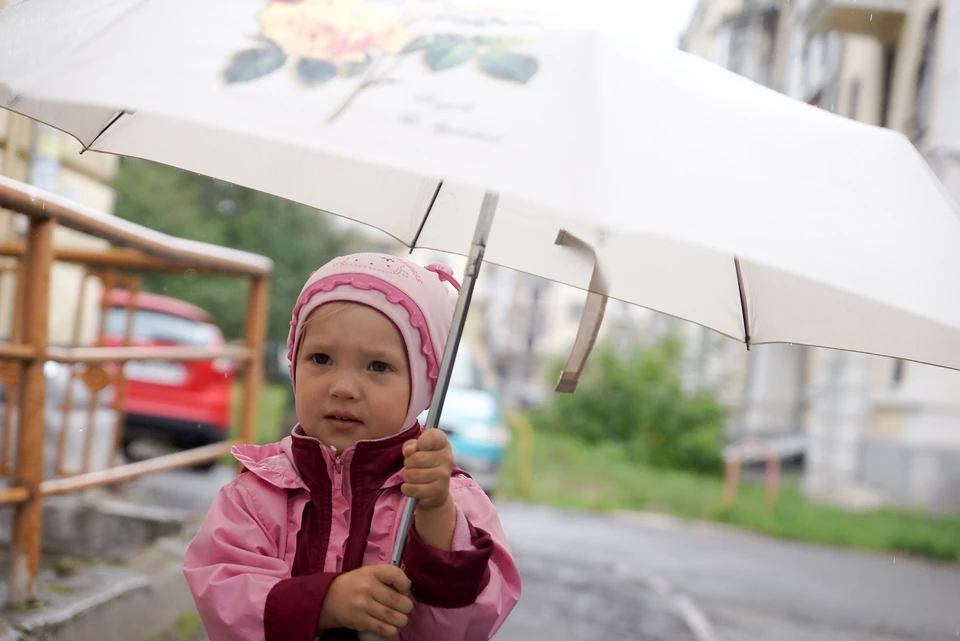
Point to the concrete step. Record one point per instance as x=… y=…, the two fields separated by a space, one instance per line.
x=143 y=597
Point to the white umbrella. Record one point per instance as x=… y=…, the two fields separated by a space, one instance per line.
x=638 y=173
x=668 y=167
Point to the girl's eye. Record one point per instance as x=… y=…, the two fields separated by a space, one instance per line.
x=320 y=359
x=379 y=366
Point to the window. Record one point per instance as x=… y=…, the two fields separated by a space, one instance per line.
x=854 y=109
x=157 y=326
x=925 y=72
x=889 y=64
x=898 y=371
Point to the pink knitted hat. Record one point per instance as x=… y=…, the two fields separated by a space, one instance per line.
x=414 y=298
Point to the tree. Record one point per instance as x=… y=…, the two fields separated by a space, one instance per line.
x=297 y=238
x=637 y=399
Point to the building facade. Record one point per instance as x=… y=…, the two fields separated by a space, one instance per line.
x=36 y=154
x=873 y=430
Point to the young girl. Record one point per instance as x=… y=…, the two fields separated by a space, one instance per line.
x=298 y=545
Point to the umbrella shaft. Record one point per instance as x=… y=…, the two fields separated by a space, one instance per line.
x=477 y=249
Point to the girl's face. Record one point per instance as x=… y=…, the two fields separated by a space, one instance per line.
x=353 y=377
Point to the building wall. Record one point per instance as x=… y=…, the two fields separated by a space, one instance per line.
x=762 y=388
x=875 y=428
x=55 y=163
x=52 y=161
x=842 y=74
x=860 y=82
x=893 y=427
x=903 y=105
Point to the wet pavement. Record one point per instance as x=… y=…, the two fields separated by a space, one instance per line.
x=622 y=577
x=755 y=588
x=567 y=600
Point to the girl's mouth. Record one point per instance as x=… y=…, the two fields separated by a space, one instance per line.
x=343 y=421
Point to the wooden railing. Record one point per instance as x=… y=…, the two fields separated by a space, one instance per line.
x=22 y=359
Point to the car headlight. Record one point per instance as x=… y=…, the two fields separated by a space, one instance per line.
x=494 y=434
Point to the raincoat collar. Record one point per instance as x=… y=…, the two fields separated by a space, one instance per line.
x=297 y=461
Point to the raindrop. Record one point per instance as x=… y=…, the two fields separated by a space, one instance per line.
x=190 y=274
x=227 y=207
x=871 y=17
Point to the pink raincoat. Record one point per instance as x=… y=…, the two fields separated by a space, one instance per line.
x=299 y=515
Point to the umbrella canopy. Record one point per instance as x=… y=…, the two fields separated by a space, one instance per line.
x=674 y=184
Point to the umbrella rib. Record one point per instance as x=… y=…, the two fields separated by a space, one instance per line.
x=743 y=303
x=103 y=131
x=423 y=221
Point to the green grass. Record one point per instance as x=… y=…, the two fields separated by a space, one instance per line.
x=571 y=474
x=59 y=588
x=269 y=423
x=273 y=403
x=188 y=628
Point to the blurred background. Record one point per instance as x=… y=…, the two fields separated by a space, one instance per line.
x=690 y=489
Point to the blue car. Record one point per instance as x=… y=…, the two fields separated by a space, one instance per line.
x=473 y=422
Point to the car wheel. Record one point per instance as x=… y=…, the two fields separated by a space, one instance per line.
x=142 y=448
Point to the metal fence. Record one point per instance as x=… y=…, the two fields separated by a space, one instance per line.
x=23 y=357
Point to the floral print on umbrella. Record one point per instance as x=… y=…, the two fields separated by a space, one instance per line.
x=327 y=39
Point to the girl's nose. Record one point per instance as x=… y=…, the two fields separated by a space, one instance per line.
x=346 y=387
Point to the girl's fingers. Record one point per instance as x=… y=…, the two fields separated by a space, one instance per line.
x=398 y=604
x=432 y=441
x=374 y=624
x=421 y=492
x=422 y=476
x=425 y=459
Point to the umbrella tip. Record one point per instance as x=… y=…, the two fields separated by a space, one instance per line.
x=568 y=382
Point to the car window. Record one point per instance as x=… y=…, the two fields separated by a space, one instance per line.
x=157 y=326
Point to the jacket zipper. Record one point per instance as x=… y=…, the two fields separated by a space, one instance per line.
x=337 y=472
x=337 y=493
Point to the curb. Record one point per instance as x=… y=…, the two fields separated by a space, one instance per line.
x=667 y=523
x=108 y=603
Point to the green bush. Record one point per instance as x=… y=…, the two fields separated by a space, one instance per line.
x=637 y=400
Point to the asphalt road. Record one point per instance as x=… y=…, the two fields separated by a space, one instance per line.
x=755 y=588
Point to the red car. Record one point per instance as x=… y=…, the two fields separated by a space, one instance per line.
x=185 y=404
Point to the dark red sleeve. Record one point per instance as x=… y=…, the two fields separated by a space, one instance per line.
x=448 y=579
x=293 y=607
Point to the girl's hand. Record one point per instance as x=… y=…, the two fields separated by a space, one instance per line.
x=374 y=598
x=427 y=466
